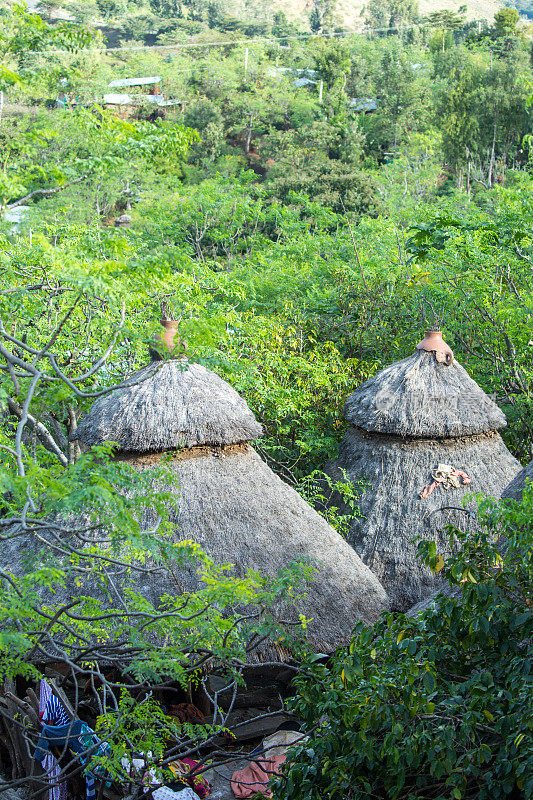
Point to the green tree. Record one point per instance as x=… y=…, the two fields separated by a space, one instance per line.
x=447 y=21
x=315 y=20
x=48 y=381
x=436 y=704
x=401 y=98
x=332 y=61
x=23 y=32
x=281 y=26
x=391 y=14
x=506 y=21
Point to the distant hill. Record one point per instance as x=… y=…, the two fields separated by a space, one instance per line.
x=350 y=13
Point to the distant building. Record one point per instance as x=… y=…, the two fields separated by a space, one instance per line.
x=363 y=104
x=304 y=82
x=142 y=90
x=16 y=216
x=150 y=85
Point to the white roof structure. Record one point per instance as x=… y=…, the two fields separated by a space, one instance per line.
x=123 y=82
x=363 y=104
x=117 y=99
x=303 y=82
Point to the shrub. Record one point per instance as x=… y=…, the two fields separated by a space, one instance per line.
x=438 y=705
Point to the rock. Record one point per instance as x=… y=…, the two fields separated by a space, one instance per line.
x=123 y=220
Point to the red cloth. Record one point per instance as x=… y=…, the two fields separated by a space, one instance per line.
x=254 y=778
x=455 y=473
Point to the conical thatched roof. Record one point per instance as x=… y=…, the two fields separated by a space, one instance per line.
x=420 y=397
x=230 y=502
x=168 y=405
x=518 y=484
x=393 y=448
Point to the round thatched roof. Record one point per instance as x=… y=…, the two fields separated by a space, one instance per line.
x=421 y=397
x=230 y=501
x=518 y=484
x=167 y=405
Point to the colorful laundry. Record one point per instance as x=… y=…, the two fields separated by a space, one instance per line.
x=179 y=783
x=50 y=709
x=254 y=778
x=446 y=476
x=54 y=712
x=77 y=737
x=181 y=771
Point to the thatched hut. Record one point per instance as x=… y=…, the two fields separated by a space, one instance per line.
x=230 y=501
x=413 y=418
x=518 y=484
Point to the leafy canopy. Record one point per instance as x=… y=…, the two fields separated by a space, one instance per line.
x=437 y=705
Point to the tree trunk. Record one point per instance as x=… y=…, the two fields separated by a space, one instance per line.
x=249 y=135
x=491 y=163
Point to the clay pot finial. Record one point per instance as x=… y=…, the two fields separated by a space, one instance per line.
x=168 y=334
x=166 y=342
x=434 y=343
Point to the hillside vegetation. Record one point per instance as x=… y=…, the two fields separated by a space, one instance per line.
x=150 y=18
x=304 y=209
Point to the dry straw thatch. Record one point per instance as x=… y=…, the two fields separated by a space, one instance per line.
x=408 y=419
x=168 y=405
x=518 y=484
x=230 y=502
x=422 y=398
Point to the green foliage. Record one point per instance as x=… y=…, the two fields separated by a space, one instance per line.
x=318 y=489
x=435 y=705
x=315 y=21
x=390 y=14
x=332 y=60
x=303 y=243
x=505 y=22
x=22 y=32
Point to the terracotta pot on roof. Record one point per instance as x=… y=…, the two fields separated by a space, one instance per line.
x=434 y=343
x=168 y=334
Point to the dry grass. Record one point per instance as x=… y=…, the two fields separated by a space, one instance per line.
x=419 y=397
x=167 y=405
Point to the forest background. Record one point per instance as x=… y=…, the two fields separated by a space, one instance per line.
x=313 y=200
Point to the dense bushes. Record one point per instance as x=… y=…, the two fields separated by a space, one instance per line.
x=437 y=705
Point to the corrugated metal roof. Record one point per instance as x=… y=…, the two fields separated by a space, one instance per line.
x=134 y=82
x=363 y=104
x=117 y=99
x=303 y=82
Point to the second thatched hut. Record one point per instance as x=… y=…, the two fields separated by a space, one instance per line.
x=421 y=423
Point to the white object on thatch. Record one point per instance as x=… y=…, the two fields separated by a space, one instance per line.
x=409 y=418
x=515 y=489
x=168 y=405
